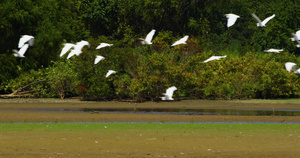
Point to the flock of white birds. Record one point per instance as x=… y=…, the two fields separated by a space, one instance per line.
x=76 y=49
x=232 y=18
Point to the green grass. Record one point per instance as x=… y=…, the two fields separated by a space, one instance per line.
x=172 y=138
x=52 y=127
x=272 y=100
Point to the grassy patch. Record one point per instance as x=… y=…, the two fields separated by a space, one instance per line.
x=148 y=139
x=271 y=100
x=141 y=126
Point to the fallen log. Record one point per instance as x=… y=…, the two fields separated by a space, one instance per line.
x=19 y=93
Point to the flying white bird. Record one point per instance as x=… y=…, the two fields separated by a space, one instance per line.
x=296 y=36
x=98 y=58
x=24 y=39
x=148 y=38
x=81 y=44
x=110 y=72
x=169 y=93
x=262 y=23
x=274 y=50
x=181 y=41
x=102 y=45
x=289 y=66
x=231 y=19
x=77 y=48
x=21 y=52
x=66 y=48
x=214 y=58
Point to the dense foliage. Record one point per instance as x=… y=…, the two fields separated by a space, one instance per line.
x=145 y=71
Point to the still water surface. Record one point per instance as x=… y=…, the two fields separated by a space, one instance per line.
x=176 y=111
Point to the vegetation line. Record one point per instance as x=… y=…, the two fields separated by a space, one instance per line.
x=144 y=72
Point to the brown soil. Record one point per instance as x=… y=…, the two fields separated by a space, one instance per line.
x=141 y=143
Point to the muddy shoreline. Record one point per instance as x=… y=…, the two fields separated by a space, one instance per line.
x=21 y=110
x=107 y=142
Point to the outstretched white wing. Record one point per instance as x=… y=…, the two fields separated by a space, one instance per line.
x=74 y=52
x=181 y=41
x=81 y=44
x=256 y=18
x=214 y=58
x=273 y=50
x=169 y=93
x=66 y=48
x=150 y=36
x=77 y=48
x=102 y=45
x=289 y=66
x=98 y=58
x=267 y=19
x=210 y=59
x=21 y=52
x=24 y=39
x=231 y=19
x=110 y=72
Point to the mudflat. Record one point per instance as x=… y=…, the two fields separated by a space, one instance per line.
x=55 y=110
x=110 y=140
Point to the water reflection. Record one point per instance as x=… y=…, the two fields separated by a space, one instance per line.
x=173 y=111
x=243 y=112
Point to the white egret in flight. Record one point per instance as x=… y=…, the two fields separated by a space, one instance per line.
x=296 y=36
x=289 y=66
x=110 y=72
x=231 y=19
x=24 y=39
x=98 y=58
x=102 y=45
x=214 y=58
x=81 y=44
x=66 y=48
x=274 y=50
x=148 y=38
x=21 y=52
x=262 y=23
x=169 y=93
x=181 y=41
x=77 y=48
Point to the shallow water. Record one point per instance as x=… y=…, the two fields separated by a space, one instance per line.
x=216 y=111
x=175 y=111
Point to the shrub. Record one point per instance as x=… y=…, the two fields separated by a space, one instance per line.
x=62 y=79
